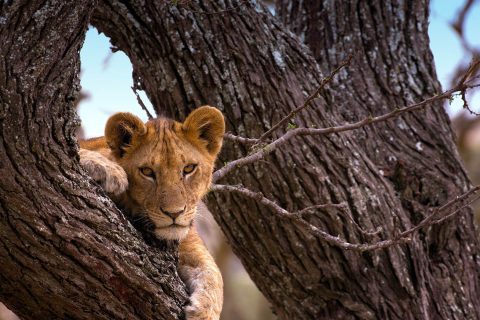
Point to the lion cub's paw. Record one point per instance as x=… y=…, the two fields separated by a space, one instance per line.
x=108 y=174
x=206 y=287
x=196 y=311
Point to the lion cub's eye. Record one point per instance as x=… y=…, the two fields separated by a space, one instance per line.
x=189 y=168
x=148 y=172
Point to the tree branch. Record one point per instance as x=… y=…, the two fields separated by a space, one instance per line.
x=307 y=102
x=461 y=87
x=242 y=140
x=437 y=216
x=140 y=102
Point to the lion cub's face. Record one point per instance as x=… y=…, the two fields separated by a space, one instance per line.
x=169 y=165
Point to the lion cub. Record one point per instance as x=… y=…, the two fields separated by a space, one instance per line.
x=159 y=171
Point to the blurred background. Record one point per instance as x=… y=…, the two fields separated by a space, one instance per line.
x=106 y=88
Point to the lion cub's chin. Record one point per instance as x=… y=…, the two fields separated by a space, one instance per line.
x=174 y=232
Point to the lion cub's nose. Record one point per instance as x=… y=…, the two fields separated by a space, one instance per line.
x=174 y=214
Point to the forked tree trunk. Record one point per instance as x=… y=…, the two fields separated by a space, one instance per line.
x=65 y=251
x=239 y=58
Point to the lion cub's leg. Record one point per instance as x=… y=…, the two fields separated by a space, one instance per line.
x=108 y=174
x=203 y=278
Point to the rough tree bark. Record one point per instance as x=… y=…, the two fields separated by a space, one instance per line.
x=236 y=56
x=394 y=66
x=65 y=251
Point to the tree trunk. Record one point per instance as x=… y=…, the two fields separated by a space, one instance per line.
x=394 y=67
x=242 y=60
x=65 y=251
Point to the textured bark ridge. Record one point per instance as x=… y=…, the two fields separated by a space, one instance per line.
x=65 y=251
x=239 y=58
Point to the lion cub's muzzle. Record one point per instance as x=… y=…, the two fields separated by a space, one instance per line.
x=173 y=213
x=175 y=222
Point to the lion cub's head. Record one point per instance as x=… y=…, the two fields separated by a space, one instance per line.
x=169 y=165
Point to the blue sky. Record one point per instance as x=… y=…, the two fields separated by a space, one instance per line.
x=107 y=77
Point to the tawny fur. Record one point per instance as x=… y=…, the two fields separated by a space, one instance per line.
x=108 y=174
x=166 y=147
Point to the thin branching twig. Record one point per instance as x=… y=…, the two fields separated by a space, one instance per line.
x=261 y=153
x=436 y=216
x=140 y=102
x=307 y=102
x=242 y=140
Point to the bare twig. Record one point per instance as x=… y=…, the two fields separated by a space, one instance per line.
x=470 y=73
x=266 y=150
x=307 y=102
x=462 y=14
x=140 y=102
x=360 y=228
x=243 y=140
x=469 y=49
x=466 y=106
x=431 y=219
x=448 y=216
x=438 y=215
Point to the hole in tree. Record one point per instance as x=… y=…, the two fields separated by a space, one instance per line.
x=106 y=79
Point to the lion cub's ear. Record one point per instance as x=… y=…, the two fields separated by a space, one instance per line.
x=121 y=131
x=206 y=126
